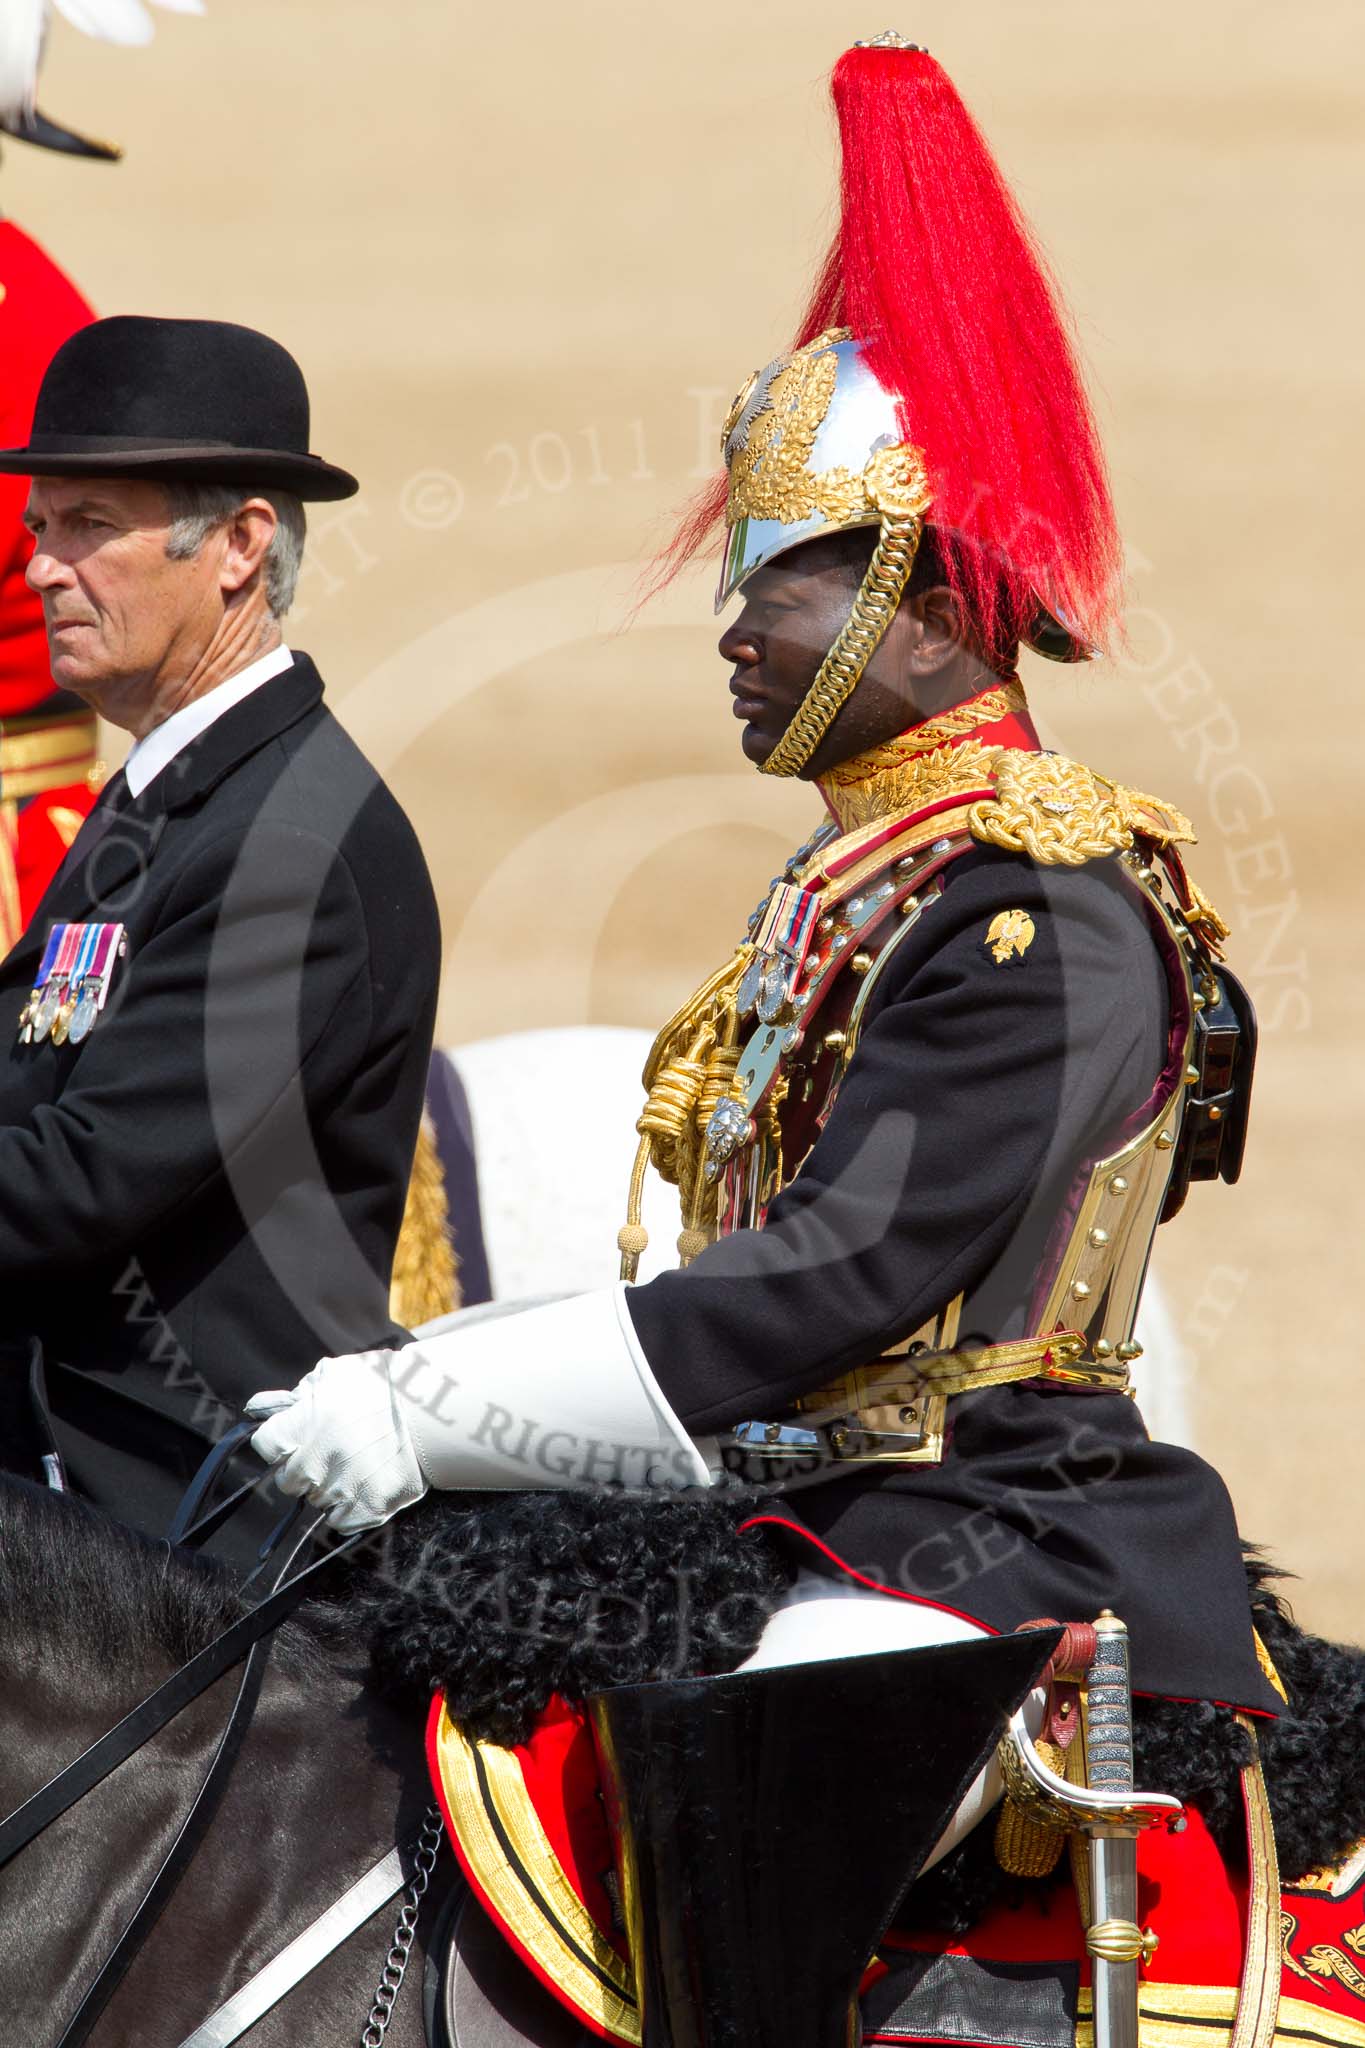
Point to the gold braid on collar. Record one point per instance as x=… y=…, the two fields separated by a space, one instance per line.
x=921 y=766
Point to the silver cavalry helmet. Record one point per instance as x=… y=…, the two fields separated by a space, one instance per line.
x=813 y=445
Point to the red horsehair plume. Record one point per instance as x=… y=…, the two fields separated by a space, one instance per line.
x=937 y=273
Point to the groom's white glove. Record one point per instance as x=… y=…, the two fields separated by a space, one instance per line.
x=560 y=1395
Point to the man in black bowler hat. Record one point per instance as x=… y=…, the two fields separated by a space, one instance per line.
x=214 y=1038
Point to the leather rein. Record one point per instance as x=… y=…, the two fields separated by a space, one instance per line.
x=249 y=1638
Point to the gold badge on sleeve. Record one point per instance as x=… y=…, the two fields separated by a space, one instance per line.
x=1010 y=936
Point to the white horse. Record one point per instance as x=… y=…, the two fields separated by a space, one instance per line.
x=551 y=1129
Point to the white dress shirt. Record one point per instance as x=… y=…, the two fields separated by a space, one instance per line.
x=156 y=749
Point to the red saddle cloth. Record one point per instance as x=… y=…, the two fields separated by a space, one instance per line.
x=531 y=1833
x=530 y=1830
x=1188 y=1991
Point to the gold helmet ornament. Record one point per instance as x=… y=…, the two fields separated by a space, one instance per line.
x=933 y=380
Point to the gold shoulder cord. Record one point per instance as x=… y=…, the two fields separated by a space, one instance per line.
x=1056 y=811
x=690 y=1067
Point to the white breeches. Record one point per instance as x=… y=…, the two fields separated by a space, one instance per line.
x=824 y=1617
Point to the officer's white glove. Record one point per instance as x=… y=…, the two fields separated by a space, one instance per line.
x=558 y=1395
x=340 y=1437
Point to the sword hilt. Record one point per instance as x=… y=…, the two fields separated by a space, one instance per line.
x=1107 y=1804
x=1109 y=1709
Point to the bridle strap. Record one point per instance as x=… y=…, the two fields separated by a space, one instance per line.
x=89 y=1769
x=189 y=1837
x=189 y=1525
x=197 y=1821
x=249 y=1638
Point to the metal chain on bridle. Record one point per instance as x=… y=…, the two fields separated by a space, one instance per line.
x=400 y=1950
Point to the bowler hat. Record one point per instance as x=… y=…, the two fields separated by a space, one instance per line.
x=192 y=401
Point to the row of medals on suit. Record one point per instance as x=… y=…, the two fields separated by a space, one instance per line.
x=60 y=1009
x=64 y=1004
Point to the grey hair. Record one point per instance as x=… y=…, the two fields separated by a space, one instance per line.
x=195 y=509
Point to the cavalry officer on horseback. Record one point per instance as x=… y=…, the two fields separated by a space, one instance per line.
x=975 y=1046
x=215 y=1033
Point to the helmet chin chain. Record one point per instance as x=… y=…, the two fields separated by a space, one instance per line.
x=873 y=609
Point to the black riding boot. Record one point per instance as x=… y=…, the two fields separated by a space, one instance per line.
x=770 y=1821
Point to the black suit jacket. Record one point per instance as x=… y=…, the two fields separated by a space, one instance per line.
x=204 y=1197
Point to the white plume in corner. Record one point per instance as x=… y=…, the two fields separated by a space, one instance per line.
x=22 y=23
x=119 y=21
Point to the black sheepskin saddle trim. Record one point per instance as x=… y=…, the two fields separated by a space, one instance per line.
x=504 y=1600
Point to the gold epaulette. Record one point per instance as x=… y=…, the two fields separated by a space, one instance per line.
x=1060 y=812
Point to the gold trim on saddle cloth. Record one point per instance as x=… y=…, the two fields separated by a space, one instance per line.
x=502 y=1840
x=1258 y=1999
x=1201 y=2016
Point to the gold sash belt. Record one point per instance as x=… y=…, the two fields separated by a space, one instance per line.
x=877 y=1391
x=895 y=1411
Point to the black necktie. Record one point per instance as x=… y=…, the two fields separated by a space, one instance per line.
x=112 y=799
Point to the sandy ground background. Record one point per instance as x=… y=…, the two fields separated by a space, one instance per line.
x=527 y=253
